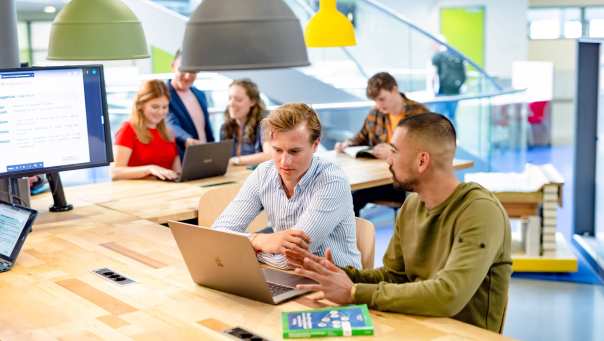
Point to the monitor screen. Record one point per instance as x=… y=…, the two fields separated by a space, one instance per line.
x=53 y=119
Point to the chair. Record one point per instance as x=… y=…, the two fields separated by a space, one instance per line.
x=366 y=241
x=215 y=200
x=394 y=205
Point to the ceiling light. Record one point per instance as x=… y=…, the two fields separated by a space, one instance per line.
x=329 y=28
x=235 y=35
x=96 y=30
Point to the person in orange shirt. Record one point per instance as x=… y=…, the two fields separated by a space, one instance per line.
x=391 y=106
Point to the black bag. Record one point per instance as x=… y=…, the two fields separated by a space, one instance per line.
x=451 y=72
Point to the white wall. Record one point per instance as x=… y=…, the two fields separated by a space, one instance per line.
x=505 y=27
x=561 y=52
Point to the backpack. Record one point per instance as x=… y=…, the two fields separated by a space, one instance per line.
x=451 y=72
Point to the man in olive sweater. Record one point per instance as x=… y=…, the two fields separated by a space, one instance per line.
x=450 y=252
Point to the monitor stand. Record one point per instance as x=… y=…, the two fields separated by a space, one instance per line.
x=58 y=196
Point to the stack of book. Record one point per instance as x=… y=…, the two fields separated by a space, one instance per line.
x=549 y=216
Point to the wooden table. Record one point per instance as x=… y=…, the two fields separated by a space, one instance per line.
x=52 y=293
x=160 y=201
x=367 y=173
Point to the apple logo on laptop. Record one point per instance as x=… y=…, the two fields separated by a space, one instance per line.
x=218 y=262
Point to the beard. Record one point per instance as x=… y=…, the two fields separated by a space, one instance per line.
x=407 y=185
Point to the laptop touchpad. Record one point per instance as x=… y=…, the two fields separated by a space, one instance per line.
x=285 y=278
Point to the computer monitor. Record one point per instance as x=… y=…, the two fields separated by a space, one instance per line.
x=53 y=119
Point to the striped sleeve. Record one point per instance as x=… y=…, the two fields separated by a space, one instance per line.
x=244 y=208
x=325 y=211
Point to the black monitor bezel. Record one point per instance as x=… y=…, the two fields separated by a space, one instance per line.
x=27 y=228
x=106 y=125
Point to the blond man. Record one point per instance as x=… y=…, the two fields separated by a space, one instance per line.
x=307 y=199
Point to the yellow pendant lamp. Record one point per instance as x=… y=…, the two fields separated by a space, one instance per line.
x=329 y=27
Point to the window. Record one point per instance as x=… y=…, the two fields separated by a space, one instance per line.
x=555 y=23
x=595 y=21
x=566 y=22
x=573 y=26
x=544 y=23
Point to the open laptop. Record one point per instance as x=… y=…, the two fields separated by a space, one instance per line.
x=227 y=261
x=15 y=225
x=205 y=160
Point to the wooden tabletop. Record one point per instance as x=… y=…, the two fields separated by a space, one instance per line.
x=160 y=201
x=52 y=292
x=366 y=173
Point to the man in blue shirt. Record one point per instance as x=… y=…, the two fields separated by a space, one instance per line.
x=307 y=199
x=188 y=112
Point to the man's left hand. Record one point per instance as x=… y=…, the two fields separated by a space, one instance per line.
x=381 y=151
x=333 y=281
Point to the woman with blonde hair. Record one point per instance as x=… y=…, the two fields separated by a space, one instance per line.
x=143 y=145
x=242 y=119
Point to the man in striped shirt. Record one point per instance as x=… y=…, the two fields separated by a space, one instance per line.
x=307 y=199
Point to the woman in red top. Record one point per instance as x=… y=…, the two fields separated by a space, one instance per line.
x=143 y=145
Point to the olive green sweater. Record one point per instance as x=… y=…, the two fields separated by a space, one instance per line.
x=453 y=260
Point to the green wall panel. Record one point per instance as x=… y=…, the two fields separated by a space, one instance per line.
x=161 y=60
x=464 y=29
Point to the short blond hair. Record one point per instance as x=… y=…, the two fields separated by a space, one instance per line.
x=289 y=116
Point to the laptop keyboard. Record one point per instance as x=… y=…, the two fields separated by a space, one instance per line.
x=277 y=289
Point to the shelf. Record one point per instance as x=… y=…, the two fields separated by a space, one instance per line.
x=564 y=260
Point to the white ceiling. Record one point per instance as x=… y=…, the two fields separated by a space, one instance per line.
x=38 y=5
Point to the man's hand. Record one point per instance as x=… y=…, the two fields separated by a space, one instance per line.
x=280 y=242
x=340 y=146
x=333 y=281
x=381 y=151
x=191 y=141
x=295 y=256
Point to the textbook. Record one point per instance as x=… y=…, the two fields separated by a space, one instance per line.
x=360 y=152
x=352 y=320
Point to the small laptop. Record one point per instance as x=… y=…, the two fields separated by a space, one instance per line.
x=205 y=160
x=15 y=225
x=226 y=261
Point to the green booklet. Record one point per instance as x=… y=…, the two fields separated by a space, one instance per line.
x=350 y=320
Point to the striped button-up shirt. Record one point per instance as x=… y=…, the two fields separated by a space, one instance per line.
x=321 y=206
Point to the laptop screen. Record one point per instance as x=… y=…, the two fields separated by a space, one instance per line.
x=15 y=222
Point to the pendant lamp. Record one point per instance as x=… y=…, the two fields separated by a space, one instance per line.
x=237 y=35
x=96 y=30
x=329 y=28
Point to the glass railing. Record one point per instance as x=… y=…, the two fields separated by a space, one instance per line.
x=395 y=45
x=489 y=124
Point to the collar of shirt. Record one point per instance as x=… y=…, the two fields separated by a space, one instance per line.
x=306 y=179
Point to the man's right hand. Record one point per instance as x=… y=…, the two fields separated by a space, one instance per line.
x=279 y=242
x=191 y=141
x=295 y=257
x=340 y=146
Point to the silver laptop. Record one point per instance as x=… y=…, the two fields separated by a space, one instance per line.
x=205 y=160
x=227 y=261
